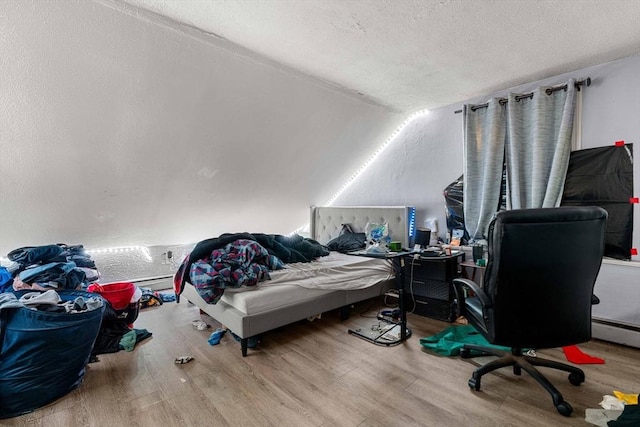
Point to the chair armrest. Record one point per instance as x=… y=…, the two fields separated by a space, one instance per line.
x=460 y=284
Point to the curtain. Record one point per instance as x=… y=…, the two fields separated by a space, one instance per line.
x=537 y=147
x=484 y=141
x=531 y=136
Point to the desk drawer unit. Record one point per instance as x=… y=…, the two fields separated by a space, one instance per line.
x=443 y=269
x=429 y=286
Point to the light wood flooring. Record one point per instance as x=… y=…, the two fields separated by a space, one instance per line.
x=316 y=374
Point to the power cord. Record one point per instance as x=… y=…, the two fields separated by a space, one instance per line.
x=364 y=312
x=389 y=293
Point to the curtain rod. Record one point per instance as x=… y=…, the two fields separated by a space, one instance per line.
x=586 y=83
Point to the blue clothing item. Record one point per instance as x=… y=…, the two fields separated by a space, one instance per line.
x=82 y=261
x=73 y=250
x=6 y=279
x=167 y=297
x=64 y=274
x=34 y=254
x=29 y=273
x=216 y=336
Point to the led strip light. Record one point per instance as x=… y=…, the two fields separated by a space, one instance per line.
x=362 y=168
x=375 y=155
x=119 y=249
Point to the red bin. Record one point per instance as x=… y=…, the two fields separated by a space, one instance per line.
x=118 y=294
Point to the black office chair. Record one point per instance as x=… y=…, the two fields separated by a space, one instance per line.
x=537 y=291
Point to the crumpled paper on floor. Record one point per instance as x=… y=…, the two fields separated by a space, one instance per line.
x=611 y=402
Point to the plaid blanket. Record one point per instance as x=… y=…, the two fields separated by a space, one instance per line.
x=240 y=263
x=211 y=281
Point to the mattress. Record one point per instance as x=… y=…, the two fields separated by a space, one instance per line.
x=301 y=282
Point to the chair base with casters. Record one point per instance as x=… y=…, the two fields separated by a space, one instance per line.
x=520 y=361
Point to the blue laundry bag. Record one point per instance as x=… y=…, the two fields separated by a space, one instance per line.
x=43 y=354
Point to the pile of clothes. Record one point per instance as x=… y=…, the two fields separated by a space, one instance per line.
x=41 y=268
x=50 y=302
x=45 y=270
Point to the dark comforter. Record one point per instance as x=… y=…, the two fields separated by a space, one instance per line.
x=216 y=263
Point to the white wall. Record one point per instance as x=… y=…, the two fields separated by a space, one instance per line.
x=427 y=155
x=120 y=128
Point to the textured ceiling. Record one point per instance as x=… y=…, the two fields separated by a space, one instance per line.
x=415 y=54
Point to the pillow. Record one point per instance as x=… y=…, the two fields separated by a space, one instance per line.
x=346 y=229
x=347 y=242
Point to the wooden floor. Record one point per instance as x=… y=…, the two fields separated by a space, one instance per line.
x=316 y=374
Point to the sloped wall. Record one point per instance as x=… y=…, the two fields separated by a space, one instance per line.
x=120 y=128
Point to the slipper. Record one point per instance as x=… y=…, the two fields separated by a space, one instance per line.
x=200 y=325
x=216 y=336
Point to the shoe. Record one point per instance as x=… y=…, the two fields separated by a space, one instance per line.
x=200 y=325
x=216 y=336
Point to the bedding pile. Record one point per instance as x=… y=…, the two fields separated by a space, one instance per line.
x=241 y=259
x=55 y=266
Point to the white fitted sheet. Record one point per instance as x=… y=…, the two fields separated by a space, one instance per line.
x=301 y=282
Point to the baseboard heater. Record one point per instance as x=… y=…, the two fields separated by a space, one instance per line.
x=157 y=283
x=615 y=331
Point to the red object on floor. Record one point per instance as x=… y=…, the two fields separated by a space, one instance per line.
x=577 y=356
x=118 y=294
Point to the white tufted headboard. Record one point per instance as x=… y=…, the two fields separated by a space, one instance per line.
x=326 y=222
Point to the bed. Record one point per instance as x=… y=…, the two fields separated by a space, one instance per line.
x=305 y=290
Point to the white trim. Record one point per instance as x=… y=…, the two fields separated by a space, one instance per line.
x=621 y=262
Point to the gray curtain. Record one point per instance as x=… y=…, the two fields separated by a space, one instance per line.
x=484 y=141
x=532 y=136
x=537 y=147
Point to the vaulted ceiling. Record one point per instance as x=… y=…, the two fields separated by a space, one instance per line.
x=416 y=54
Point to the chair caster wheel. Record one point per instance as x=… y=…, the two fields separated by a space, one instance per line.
x=564 y=408
x=465 y=353
x=474 y=384
x=576 y=379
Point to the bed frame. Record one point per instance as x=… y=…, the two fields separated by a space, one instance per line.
x=326 y=223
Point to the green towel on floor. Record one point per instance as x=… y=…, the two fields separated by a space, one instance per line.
x=451 y=340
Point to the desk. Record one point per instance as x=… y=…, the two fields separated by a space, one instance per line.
x=375 y=336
